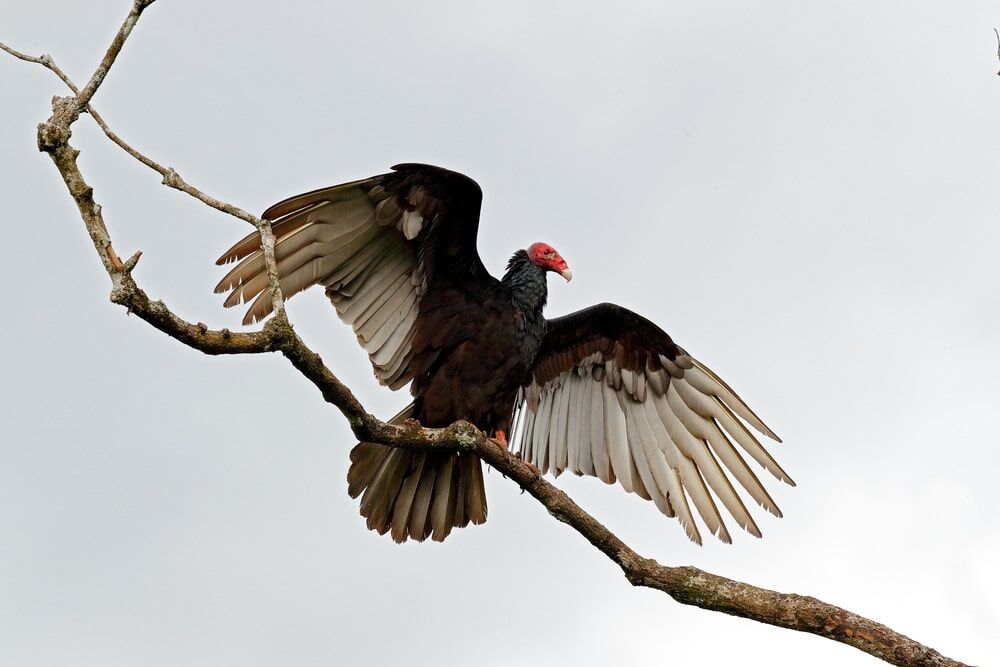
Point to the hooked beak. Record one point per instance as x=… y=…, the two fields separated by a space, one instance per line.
x=567 y=274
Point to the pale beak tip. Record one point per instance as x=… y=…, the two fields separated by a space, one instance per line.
x=567 y=274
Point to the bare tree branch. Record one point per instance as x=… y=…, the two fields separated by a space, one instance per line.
x=170 y=176
x=687 y=585
x=997 y=33
x=81 y=101
x=46 y=61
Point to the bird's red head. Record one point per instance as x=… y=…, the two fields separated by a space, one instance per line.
x=545 y=256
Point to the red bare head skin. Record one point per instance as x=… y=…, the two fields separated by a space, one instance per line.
x=547 y=257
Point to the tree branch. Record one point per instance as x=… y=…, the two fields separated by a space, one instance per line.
x=997 y=33
x=687 y=585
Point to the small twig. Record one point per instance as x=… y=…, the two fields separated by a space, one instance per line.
x=130 y=263
x=44 y=60
x=170 y=176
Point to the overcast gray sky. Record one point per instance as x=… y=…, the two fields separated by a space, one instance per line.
x=802 y=193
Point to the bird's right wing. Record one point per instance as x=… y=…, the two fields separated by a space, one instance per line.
x=375 y=245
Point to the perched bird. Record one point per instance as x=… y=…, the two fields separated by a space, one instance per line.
x=601 y=392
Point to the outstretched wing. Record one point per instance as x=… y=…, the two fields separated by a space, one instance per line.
x=611 y=395
x=376 y=245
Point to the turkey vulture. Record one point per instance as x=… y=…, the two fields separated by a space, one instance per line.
x=601 y=392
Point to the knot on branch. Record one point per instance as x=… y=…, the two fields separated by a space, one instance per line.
x=280 y=331
x=52 y=136
x=465 y=434
x=54 y=133
x=123 y=289
x=640 y=571
x=172 y=179
x=461 y=434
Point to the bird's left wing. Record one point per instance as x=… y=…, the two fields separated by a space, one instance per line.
x=611 y=395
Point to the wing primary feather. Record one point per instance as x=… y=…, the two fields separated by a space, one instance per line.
x=725 y=450
x=666 y=477
x=691 y=481
x=637 y=447
x=750 y=443
x=673 y=413
x=645 y=448
x=732 y=398
x=723 y=447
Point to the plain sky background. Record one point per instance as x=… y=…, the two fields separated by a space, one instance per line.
x=804 y=194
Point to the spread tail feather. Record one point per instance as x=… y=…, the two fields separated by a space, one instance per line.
x=416 y=494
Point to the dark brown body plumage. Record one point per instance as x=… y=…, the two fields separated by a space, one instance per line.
x=474 y=347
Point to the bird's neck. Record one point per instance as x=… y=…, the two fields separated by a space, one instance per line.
x=526 y=282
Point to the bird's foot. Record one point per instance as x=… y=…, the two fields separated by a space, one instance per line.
x=532 y=466
x=500 y=438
